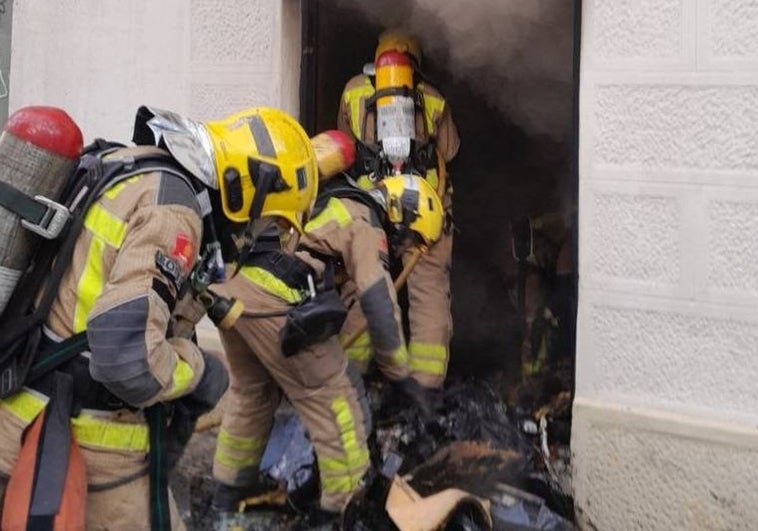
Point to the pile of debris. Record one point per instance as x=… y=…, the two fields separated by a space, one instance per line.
x=475 y=462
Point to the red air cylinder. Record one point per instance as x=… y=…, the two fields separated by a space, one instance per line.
x=39 y=148
x=335 y=152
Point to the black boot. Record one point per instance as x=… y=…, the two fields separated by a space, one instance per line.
x=227 y=498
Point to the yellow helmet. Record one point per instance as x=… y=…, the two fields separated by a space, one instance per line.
x=397 y=41
x=264 y=151
x=411 y=201
x=260 y=160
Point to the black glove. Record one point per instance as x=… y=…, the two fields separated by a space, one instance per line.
x=416 y=395
x=187 y=409
x=210 y=388
x=178 y=433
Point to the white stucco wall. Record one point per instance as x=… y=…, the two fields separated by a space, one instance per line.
x=666 y=411
x=101 y=59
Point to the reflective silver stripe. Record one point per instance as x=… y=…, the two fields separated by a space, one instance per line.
x=261 y=136
x=119 y=353
x=379 y=310
x=175 y=191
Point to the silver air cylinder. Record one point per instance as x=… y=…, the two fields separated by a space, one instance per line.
x=39 y=148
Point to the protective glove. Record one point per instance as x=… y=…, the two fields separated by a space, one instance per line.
x=178 y=433
x=187 y=409
x=416 y=395
x=211 y=387
x=188 y=312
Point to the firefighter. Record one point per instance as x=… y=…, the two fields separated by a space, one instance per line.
x=402 y=123
x=345 y=238
x=138 y=252
x=543 y=251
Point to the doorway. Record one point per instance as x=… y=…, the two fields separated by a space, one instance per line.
x=509 y=71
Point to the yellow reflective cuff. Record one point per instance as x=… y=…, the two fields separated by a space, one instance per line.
x=335 y=210
x=105 y=225
x=92 y=431
x=25 y=405
x=355 y=466
x=427 y=350
x=236 y=463
x=230 y=446
x=340 y=484
x=270 y=283
x=428 y=358
x=239 y=443
x=432 y=367
x=399 y=357
x=117 y=188
x=360 y=350
x=181 y=378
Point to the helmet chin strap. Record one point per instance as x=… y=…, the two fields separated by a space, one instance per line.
x=265 y=182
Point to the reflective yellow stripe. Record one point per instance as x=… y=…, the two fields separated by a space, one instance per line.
x=337 y=485
x=181 y=378
x=88 y=429
x=432 y=178
x=90 y=284
x=236 y=452
x=239 y=443
x=106 y=229
x=427 y=350
x=270 y=283
x=105 y=225
x=360 y=350
x=434 y=368
x=340 y=467
x=236 y=463
x=530 y=369
x=399 y=357
x=433 y=107
x=92 y=431
x=25 y=405
x=364 y=182
x=335 y=210
x=349 y=471
x=428 y=358
x=355 y=97
x=117 y=188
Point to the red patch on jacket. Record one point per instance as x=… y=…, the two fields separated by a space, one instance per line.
x=183 y=251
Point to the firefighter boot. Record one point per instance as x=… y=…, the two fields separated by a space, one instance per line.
x=227 y=498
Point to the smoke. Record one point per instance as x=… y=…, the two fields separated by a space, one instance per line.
x=517 y=54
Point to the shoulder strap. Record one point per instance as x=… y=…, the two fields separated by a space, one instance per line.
x=341 y=186
x=64 y=351
x=92 y=177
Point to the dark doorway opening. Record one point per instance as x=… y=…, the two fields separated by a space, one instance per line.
x=509 y=71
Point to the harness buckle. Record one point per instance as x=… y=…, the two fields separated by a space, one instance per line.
x=53 y=221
